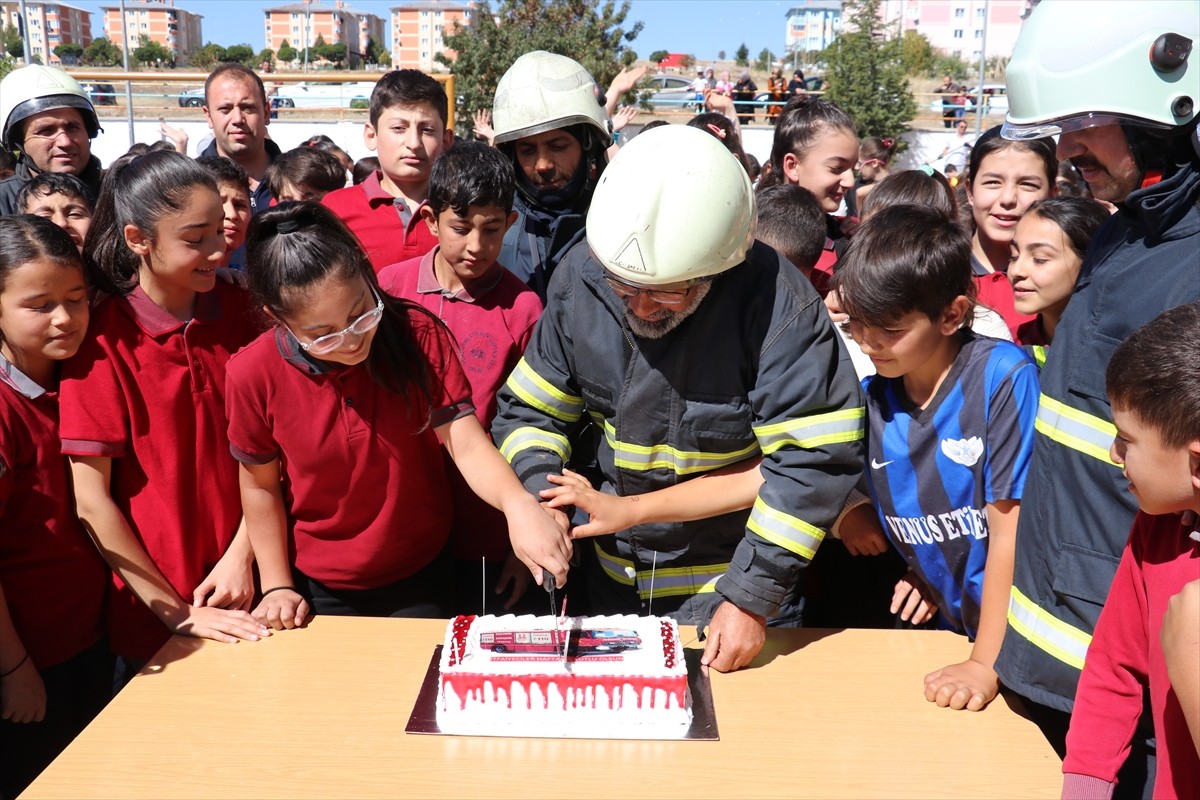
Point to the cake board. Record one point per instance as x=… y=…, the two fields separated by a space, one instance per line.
x=423 y=719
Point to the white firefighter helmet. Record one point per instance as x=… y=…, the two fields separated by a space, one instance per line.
x=1080 y=65
x=543 y=91
x=33 y=89
x=674 y=205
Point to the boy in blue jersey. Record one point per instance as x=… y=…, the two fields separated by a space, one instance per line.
x=950 y=432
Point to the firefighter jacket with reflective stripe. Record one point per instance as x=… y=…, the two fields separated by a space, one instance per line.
x=1077 y=511
x=757 y=369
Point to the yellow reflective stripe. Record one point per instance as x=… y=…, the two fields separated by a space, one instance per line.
x=1065 y=642
x=667 y=581
x=1092 y=436
x=661 y=456
x=1039 y=355
x=817 y=430
x=526 y=438
x=539 y=393
x=790 y=533
x=615 y=566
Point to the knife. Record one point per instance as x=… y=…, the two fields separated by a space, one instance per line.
x=550 y=586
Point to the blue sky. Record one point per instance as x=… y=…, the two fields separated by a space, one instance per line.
x=699 y=27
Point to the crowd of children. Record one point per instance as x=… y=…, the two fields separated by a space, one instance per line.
x=191 y=449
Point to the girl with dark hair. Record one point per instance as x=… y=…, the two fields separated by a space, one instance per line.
x=874 y=162
x=725 y=131
x=143 y=411
x=337 y=416
x=1003 y=179
x=55 y=669
x=1048 y=249
x=816 y=148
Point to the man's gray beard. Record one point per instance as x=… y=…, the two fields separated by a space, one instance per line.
x=661 y=327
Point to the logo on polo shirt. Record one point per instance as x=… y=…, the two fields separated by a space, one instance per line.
x=963 y=451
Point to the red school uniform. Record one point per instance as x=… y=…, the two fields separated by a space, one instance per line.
x=148 y=391
x=994 y=290
x=492 y=328
x=383 y=224
x=366 y=496
x=52 y=574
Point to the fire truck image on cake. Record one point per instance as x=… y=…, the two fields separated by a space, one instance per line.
x=583 y=642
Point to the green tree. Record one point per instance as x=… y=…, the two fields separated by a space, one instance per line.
x=7 y=65
x=377 y=53
x=659 y=55
x=916 y=53
x=150 y=52
x=102 y=53
x=742 y=56
x=265 y=56
x=241 y=54
x=594 y=35
x=208 y=56
x=14 y=42
x=286 y=53
x=865 y=75
x=69 y=53
x=765 y=59
x=335 y=53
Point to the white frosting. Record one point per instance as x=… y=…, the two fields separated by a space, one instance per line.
x=513 y=679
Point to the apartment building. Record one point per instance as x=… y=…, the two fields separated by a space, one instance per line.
x=48 y=26
x=419 y=30
x=300 y=24
x=172 y=27
x=812 y=25
x=958 y=26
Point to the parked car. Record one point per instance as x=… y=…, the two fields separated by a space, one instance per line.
x=995 y=99
x=191 y=98
x=671 y=91
x=101 y=94
x=322 y=95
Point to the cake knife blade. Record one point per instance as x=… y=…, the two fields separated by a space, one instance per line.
x=550 y=585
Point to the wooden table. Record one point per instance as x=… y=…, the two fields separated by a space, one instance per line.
x=321 y=713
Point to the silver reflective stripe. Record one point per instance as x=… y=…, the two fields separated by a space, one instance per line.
x=1078 y=430
x=813 y=431
x=1065 y=642
x=526 y=438
x=790 y=533
x=640 y=457
x=537 y=392
x=668 y=581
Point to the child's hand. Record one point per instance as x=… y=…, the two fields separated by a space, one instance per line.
x=516 y=577
x=606 y=513
x=539 y=539
x=862 y=534
x=912 y=599
x=220 y=625
x=282 y=609
x=229 y=585
x=623 y=117
x=23 y=695
x=970 y=685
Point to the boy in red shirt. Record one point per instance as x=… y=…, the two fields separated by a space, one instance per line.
x=407 y=129
x=1154 y=388
x=491 y=313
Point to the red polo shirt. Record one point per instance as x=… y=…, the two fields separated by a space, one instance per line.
x=366 y=496
x=148 y=391
x=383 y=224
x=52 y=574
x=492 y=326
x=994 y=290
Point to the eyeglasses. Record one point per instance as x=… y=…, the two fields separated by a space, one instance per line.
x=666 y=297
x=323 y=345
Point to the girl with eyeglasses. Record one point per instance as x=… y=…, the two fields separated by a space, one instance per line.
x=338 y=416
x=143 y=410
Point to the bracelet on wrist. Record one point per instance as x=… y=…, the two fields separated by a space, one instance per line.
x=280 y=589
x=20 y=664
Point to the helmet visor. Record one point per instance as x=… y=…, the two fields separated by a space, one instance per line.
x=1021 y=131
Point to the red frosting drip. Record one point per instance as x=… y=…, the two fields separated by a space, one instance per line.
x=573 y=689
x=458 y=641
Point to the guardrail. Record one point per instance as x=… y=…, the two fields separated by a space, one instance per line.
x=345 y=103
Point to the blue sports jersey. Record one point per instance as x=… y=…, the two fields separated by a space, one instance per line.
x=933 y=471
